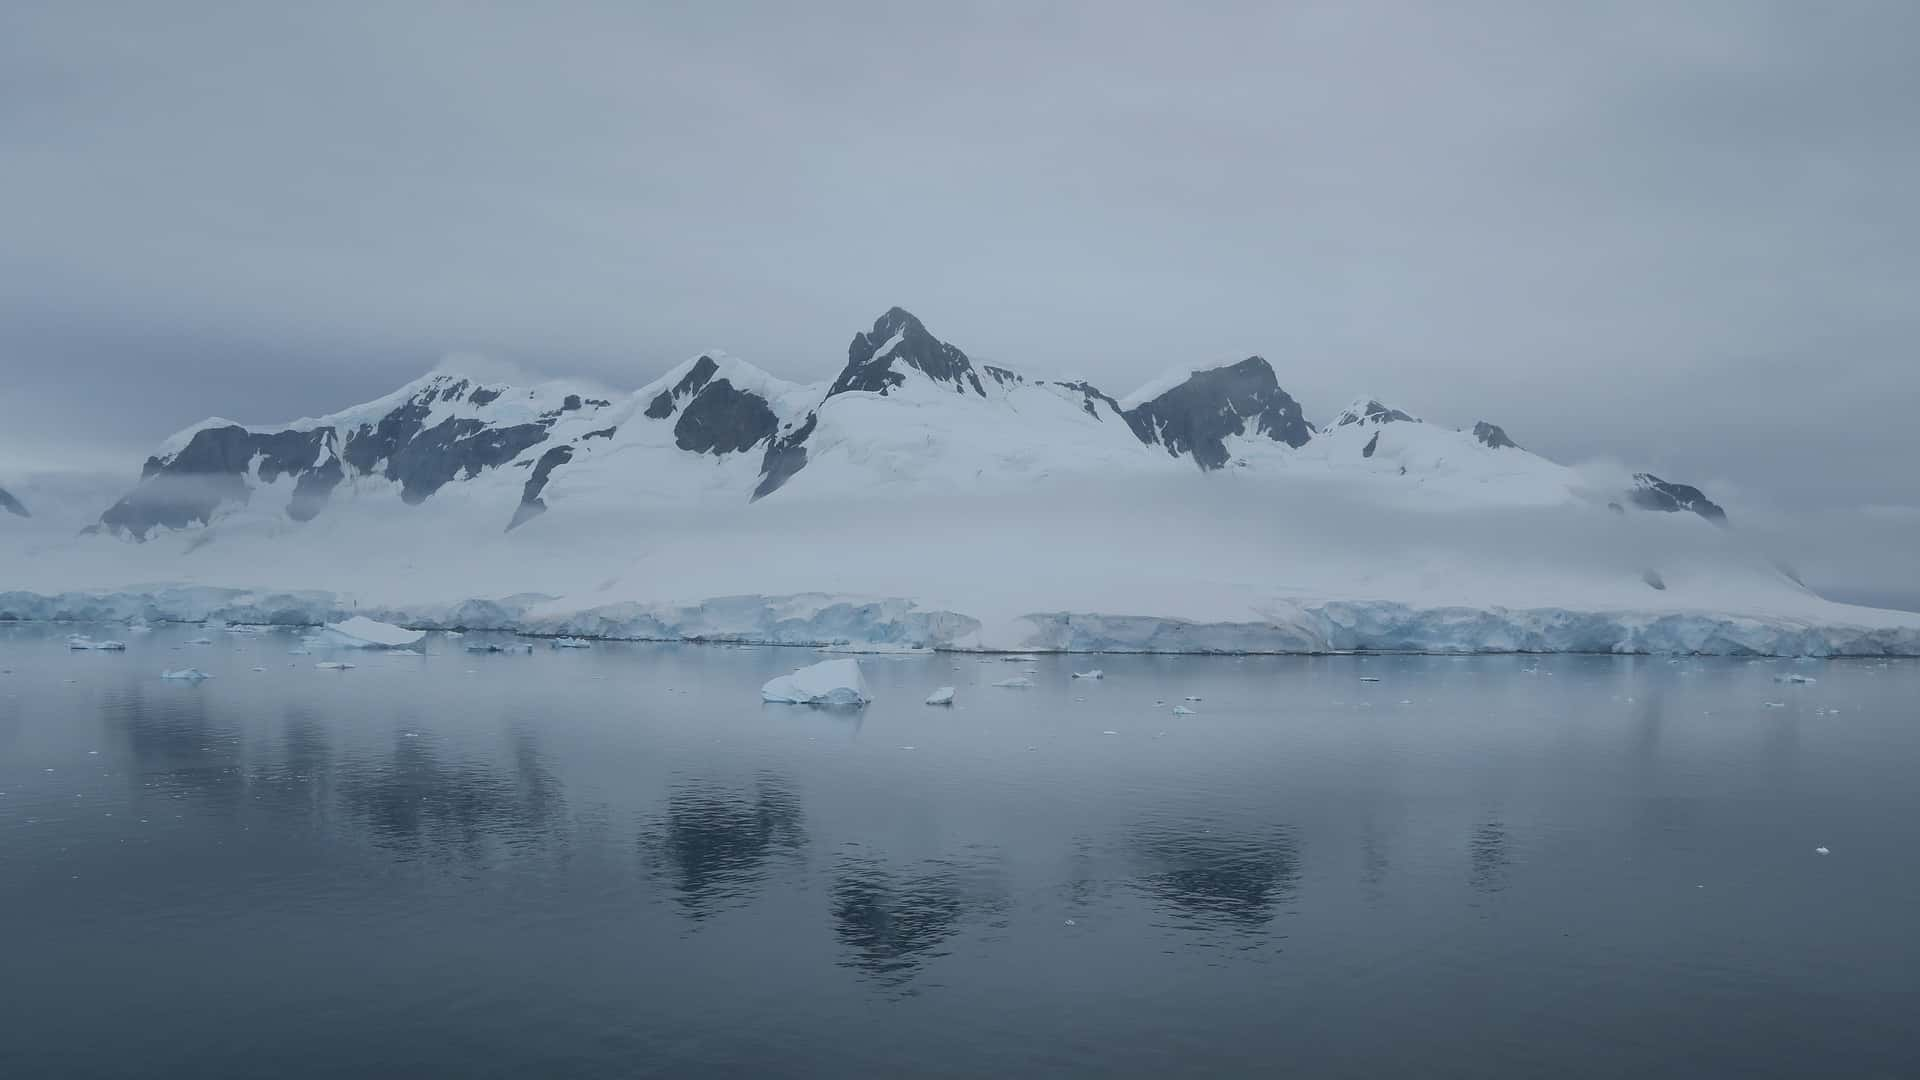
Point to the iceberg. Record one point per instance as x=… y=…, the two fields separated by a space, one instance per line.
x=334 y=665
x=571 y=643
x=830 y=682
x=942 y=696
x=1096 y=673
x=81 y=641
x=186 y=675
x=361 y=632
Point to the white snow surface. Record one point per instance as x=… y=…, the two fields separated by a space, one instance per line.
x=829 y=682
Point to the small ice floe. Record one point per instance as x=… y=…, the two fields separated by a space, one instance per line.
x=138 y=626
x=492 y=647
x=1821 y=851
x=81 y=641
x=571 y=643
x=1369 y=678
x=829 y=682
x=361 y=632
x=201 y=641
x=259 y=669
x=243 y=628
x=1182 y=710
x=1096 y=673
x=1775 y=704
x=451 y=633
x=186 y=675
x=1193 y=697
x=334 y=665
x=1795 y=677
x=1109 y=733
x=1019 y=658
x=297 y=651
x=1021 y=683
x=941 y=696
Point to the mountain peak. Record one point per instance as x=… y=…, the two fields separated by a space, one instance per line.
x=1652 y=493
x=877 y=360
x=1195 y=415
x=1370 y=411
x=1493 y=436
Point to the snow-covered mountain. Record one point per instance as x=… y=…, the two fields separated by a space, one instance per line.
x=919 y=496
x=907 y=411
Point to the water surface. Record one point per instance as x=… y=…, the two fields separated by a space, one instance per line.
x=618 y=862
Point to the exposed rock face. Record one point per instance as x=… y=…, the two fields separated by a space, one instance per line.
x=1652 y=493
x=786 y=455
x=1091 y=398
x=1372 y=412
x=1372 y=445
x=186 y=488
x=723 y=420
x=220 y=465
x=898 y=340
x=12 y=505
x=1195 y=417
x=1492 y=437
x=531 y=505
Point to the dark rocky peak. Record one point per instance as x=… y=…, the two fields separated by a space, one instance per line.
x=1372 y=412
x=1195 y=416
x=694 y=381
x=1493 y=436
x=1091 y=398
x=12 y=505
x=1003 y=377
x=877 y=360
x=1652 y=493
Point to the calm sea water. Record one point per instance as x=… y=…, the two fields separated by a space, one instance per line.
x=618 y=862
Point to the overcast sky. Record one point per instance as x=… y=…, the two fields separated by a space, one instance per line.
x=1684 y=236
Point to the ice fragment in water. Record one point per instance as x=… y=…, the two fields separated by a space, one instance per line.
x=1021 y=683
x=830 y=682
x=186 y=674
x=941 y=696
x=1096 y=673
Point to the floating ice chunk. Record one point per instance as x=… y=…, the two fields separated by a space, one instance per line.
x=334 y=665
x=1182 y=710
x=137 y=626
x=1821 y=851
x=186 y=674
x=1109 y=733
x=491 y=647
x=1096 y=673
x=81 y=641
x=259 y=669
x=361 y=632
x=829 y=682
x=571 y=643
x=1369 y=678
x=1020 y=658
x=451 y=633
x=1794 y=677
x=201 y=641
x=296 y=652
x=243 y=628
x=1021 y=683
x=942 y=696
x=1775 y=704
x=1193 y=697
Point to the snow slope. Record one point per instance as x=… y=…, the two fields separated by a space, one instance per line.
x=920 y=499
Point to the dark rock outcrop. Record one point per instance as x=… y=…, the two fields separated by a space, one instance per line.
x=1091 y=397
x=12 y=505
x=217 y=466
x=1372 y=445
x=898 y=340
x=723 y=420
x=1374 y=413
x=1493 y=437
x=531 y=504
x=1195 y=417
x=186 y=487
x=786 y=455
x=1652 y=493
